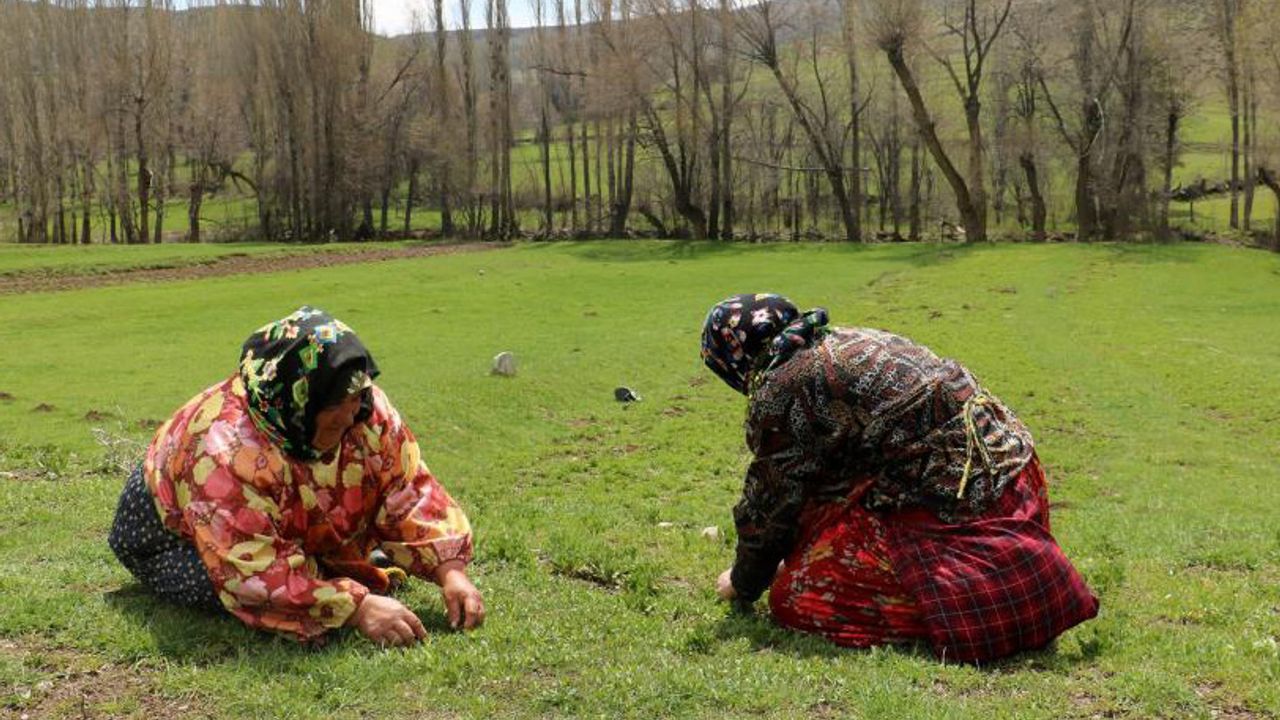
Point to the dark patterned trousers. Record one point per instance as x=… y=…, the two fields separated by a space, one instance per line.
x=163 y=562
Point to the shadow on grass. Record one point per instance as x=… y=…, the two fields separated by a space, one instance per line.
x=621 y=251
x=190 y=635
x=202 y=637
x=764 y=635
x=1154 y=253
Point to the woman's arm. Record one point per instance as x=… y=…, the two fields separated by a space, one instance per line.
x=420 y=526
x=773 y=494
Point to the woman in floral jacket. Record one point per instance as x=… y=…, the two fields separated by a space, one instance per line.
x=269 y=493
x=891 y=498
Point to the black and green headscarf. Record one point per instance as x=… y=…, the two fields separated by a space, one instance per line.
x=295 y=367
x=753 y=332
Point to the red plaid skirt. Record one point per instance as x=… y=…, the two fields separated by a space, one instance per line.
x=976 y=591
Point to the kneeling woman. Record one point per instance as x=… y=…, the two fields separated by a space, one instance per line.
x=891 y=498
x=267 y=494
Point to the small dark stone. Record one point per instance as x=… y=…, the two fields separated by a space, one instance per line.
x=625 y=394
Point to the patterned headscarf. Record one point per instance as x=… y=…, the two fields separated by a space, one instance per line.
x=756 y=332
x=295 y=367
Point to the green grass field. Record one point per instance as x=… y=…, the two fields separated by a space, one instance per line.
x=1147 y=374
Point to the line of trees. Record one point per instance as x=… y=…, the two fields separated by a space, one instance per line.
x=841 y=119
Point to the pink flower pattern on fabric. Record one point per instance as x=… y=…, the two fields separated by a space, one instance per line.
x=286 y=542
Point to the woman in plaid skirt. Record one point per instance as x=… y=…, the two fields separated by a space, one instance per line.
x=891 y=497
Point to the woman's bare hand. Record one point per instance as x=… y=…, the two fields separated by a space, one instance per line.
x=724 y=585
x=462 y=601
x=387 y=621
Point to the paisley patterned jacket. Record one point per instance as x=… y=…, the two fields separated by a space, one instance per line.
x=859 y=404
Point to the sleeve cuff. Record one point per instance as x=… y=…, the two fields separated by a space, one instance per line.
x=747 y=585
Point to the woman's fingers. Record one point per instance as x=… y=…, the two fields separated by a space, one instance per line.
x=453 y=608
x=404 y=634
x=415 y=624
x=475 y=610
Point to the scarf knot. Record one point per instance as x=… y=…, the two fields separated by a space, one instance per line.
x=799 y=334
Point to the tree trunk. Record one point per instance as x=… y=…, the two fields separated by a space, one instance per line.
x=544 y=131
x=977 y=169
x=1172 y=119
x=1228 y=39
x=442 y=99
x=385 y=201
x=573 y=176
x=412 y=193
x=855 y=120
x=914 y=210
x=1027 y=160
x=193 y=210
x=86 y=204
x=1086 y=205
x=970 y=218
x=144 y=176
x=1269 y=179
x=586 y=180
x=161 y=196
x=1249 y=106
x=622 y=205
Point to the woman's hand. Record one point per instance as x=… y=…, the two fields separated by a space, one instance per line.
x=724 y=585
x=387 y=621
x=462 y=601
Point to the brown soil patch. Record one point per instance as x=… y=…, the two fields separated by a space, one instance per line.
x=43 y=408
x=1221 y=707
x=98 y=416
x=233 y=264
x=6 y=397
x=69 y=683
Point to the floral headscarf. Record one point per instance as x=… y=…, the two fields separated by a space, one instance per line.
x=755 y=332
x=295 y=367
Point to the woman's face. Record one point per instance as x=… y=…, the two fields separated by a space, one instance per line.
x=334 y=421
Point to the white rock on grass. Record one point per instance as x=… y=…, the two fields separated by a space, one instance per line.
x=711 y=533
x=504 y=364
x=666 y=524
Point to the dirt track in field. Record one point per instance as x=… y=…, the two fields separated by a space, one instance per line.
x=232 y=264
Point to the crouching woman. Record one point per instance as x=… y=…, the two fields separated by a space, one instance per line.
x=268 y=494
x=891 y=498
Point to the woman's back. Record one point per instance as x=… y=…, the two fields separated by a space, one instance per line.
x=868 y=403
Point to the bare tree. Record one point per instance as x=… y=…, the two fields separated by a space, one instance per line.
x=819 y=123
x=1226 y=19
x=897 y=25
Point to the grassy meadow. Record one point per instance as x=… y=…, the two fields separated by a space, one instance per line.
x=1146 y=373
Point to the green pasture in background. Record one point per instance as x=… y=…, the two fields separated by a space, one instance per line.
x=1148 y=375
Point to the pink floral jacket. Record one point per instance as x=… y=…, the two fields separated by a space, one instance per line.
x=286 y=542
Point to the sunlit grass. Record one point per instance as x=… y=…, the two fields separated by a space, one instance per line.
x=1145 y=374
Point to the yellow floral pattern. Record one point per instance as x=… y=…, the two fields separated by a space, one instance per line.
x=286 y=542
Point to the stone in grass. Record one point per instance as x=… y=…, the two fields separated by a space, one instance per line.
x=504 y=364
x=665 y=524
x=625 y=395
x=711 y=533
